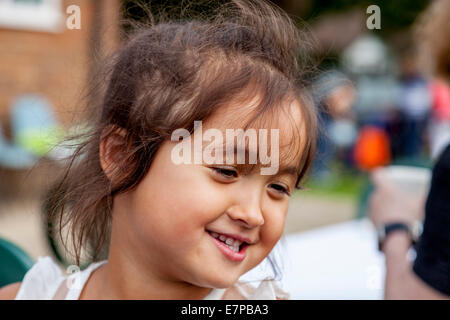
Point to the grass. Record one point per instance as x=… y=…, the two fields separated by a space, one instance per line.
x=341 y=182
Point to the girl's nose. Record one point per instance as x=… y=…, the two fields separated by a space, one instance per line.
x=248 y=214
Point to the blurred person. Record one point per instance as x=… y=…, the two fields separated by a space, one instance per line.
x=391 y=210
x=335 y=95
x=414 y=103
x=428 y=276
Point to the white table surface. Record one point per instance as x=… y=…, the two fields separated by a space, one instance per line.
x=340 y=261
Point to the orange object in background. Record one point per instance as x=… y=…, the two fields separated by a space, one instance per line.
x=372 y=148
x=441 y=100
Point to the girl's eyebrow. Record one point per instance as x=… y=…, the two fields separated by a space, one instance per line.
x=246 y=151
x=289 y=170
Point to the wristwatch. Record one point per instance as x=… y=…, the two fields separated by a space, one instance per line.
x=414 y=231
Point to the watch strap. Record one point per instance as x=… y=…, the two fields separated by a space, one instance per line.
x=391 y=227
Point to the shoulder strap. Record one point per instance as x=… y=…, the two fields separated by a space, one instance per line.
x=41 y=280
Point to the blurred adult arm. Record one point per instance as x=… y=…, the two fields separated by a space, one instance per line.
x=390 y=204
x=401 y=281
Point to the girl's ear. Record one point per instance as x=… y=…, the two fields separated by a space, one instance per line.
x=113 y=146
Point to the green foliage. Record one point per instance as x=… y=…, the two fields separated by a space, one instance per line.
x=341 y=182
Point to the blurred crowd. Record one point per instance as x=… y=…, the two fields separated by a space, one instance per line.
x=377 y=110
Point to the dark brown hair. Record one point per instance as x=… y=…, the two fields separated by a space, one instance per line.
x=169 y=74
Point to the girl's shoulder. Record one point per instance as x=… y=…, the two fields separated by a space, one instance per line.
x=9 y=292
x=41 y=281
x=46 y=281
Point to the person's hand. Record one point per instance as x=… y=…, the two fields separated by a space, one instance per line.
x=389 y=203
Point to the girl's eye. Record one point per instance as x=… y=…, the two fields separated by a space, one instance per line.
x=280 y=188
x=226 y=172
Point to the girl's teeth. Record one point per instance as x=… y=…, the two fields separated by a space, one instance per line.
x=232 y=243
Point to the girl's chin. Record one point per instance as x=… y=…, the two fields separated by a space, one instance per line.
x=218 y=281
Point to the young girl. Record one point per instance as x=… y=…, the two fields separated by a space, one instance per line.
x=186 y=230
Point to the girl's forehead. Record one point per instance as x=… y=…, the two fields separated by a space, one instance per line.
x=285 y=118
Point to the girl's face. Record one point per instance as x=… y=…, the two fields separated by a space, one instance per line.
x=176 y=213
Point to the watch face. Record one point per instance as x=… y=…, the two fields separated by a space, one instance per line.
x=416 y=230
x=381 y=231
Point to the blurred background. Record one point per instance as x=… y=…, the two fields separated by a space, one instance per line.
x=378 y=105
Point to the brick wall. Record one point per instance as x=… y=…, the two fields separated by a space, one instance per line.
x=55 y=64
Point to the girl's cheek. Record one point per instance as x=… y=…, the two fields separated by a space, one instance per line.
x=274 y=222
x=271 y=233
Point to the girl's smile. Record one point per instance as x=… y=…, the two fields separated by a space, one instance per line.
x=231 y=245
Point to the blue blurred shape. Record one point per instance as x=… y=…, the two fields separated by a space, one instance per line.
x=14 y=157
x=33 y=124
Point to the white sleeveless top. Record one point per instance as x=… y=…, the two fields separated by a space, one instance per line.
x=45 y=281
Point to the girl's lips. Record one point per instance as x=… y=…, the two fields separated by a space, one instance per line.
x=232 y=255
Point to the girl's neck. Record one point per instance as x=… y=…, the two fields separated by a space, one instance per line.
x=106 y=283
x=125 y=277
x=139 y=285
